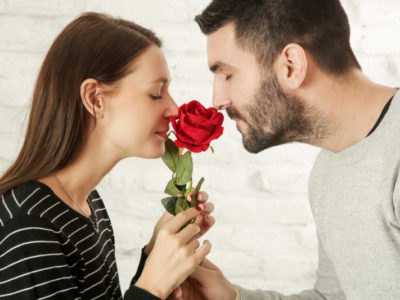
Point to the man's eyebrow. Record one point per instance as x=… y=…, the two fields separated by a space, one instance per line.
x=219 y=65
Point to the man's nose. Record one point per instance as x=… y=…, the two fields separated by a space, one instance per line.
x=221 y=99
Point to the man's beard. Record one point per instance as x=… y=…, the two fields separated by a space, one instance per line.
x=274 y=118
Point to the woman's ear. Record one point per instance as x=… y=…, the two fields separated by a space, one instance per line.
x=293 y=66
x=92 y=97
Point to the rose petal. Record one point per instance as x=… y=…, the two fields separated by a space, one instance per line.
x=196 y=134
x=216 y=134
x=173 y=122
x=198 y=122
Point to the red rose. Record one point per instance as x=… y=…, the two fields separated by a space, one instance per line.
x=196 y=126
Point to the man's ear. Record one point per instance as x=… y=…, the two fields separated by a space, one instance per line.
x=292 y=67
x=92 y=97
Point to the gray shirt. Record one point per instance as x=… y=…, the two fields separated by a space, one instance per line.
x=355 y=200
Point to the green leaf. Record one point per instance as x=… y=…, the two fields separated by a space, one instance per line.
x=171 y=188
x=182 y=188
x=193 y=203
x=169 y=204
x=181 y=205
x=171 y=155
x=184 y=169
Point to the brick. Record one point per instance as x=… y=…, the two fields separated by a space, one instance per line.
x=29 y=34
x=46 y=8
x=12 y=124
x=3 y=6
x=379 y=39
x=380 y=68
x=263 y=219
x=180 y=11
x=17 y=77
x=375 y=13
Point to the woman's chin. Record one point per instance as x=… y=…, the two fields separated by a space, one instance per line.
x=154 y=153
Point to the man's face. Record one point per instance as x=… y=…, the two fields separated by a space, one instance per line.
x=264 y=114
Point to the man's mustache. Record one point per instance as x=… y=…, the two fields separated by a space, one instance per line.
x=233 y=113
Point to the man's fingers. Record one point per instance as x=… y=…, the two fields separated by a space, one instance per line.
x=177 y=294
x=208 y=265
x=201 y=274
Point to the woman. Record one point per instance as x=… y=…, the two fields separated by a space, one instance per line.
x=101 y=96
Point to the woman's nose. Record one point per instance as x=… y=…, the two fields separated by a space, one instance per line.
x=172 y=108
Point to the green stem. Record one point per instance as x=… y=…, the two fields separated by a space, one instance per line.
x=190 y=188
x=168 y=134
x=196 y=192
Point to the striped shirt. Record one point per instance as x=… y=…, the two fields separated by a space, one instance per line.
x=50 y=251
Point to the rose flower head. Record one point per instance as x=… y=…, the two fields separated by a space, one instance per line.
x=196 y=126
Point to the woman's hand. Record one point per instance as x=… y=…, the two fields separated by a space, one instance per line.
x=176 y=254
x=204 y=220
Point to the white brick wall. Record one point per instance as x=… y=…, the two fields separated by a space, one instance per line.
x=264 y=236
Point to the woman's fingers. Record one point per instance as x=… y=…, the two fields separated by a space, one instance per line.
x=203 y=251
x=201 y=196
x=176 y=223
x=208 y=207
x=208 y=222
x=189 y=232
x=193 y=246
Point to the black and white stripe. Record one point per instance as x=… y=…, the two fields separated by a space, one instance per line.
x=49 y=251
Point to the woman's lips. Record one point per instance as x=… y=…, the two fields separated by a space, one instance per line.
x=163 y=135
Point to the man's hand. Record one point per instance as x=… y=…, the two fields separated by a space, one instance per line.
x=206 y=283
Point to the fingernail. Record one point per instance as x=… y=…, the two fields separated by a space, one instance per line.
x=200 y=207
x=189 y=197
x=206 y=216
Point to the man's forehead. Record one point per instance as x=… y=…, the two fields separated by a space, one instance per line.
x=220 y=46
x=223 y=51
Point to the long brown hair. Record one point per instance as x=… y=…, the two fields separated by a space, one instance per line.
x=91 y=46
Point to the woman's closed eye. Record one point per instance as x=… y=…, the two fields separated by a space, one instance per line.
x=155 y=97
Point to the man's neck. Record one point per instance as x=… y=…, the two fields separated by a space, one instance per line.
x=350 y=105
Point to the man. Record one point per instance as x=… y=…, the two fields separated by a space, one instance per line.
x=285 y=72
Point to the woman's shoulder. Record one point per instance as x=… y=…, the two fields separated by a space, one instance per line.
x=34 y=198
x=21 y=200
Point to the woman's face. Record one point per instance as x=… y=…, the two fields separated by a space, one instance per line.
x=136 y=116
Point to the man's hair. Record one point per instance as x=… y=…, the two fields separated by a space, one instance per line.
x=265 y=27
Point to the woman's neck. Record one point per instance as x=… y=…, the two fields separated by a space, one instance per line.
x=78 y=179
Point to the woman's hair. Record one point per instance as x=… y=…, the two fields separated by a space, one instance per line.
x=92 y=46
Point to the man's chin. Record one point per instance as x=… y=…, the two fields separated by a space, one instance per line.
x=256 y=144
